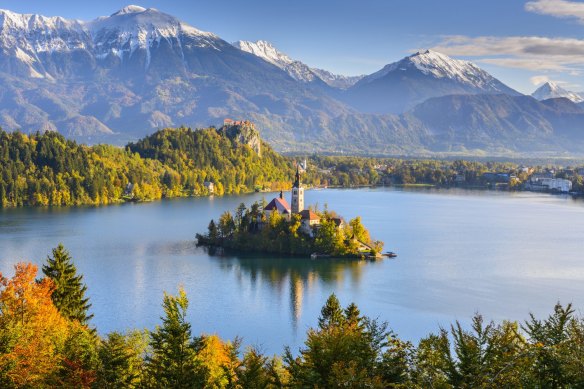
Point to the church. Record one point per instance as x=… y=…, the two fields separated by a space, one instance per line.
x=279 y=204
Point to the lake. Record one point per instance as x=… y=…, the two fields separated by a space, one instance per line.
x=460 y=252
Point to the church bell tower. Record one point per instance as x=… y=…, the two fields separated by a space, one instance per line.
x=297 y=194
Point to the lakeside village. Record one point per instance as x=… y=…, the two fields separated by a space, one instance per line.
x=280 y=228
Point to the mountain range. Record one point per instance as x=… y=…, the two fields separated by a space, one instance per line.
x=120 y=77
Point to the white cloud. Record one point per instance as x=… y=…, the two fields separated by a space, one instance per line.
x=537 y=80
x=557 y=8
x=523 y=52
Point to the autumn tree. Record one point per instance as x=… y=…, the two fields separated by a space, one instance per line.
x=69 y=294
x=34 y=335
x=217 y=361
x=359 y=231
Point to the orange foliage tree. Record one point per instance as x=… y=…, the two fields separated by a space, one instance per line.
x=33 y=334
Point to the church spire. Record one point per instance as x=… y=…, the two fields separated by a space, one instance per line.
x=297 y=193
x=297 y=181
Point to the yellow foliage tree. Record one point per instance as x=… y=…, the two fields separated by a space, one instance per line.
x=218 y=360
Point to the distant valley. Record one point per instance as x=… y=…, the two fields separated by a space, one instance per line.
x=120 y=77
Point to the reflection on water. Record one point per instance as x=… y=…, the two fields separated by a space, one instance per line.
x=503 y=254
x=298 y=275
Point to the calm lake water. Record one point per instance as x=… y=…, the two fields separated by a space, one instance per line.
x=503 y=255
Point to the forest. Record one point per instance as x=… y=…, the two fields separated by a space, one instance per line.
x=46 y=169
x=255 y=230
x=47 y=340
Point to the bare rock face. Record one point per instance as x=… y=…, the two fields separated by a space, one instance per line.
x=244 y=133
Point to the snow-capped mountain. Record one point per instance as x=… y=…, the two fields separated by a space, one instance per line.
x=47 y=47
x=551 y=90
x=296 y=69
x=136 y=28
x=133 y=71
x=122 y=76
x=336 y=80
x=32 y=45
x=403 y=84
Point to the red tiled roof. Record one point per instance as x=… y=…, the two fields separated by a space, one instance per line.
x=309 y=215
x=279 y=204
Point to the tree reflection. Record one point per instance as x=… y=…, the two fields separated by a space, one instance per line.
x=297 y=276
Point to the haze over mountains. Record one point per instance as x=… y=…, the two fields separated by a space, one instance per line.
x=122 y=76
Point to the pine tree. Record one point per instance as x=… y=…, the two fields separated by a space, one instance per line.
x=254 y=373
x=173 y=362
x=331 y=314
x=121 y=360
x=69 y=295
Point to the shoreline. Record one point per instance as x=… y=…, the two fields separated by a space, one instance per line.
x=573 y=195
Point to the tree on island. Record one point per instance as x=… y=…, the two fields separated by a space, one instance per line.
x=254 y=229
x=69 y=295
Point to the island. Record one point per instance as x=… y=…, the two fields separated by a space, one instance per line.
x=280 y=228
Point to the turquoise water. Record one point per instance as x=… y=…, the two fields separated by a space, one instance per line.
x=503 y=255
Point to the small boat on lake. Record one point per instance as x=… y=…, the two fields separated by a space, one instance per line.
x=390 y=254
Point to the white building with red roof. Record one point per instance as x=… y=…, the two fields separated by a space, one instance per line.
x=280 y=205
x=309 y=221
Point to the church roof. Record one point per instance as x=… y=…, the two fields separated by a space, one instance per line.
x=309 y=215
x=279 y=204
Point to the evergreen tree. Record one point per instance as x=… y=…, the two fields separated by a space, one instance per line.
x=173 y=363
x=213 y=233
x=69 y=295
x=253 y=373
x=331 y=313
x=345 y=351
x=121 y=360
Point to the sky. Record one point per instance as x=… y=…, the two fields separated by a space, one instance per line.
x=521 y=42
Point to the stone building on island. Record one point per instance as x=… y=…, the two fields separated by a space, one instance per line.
x=309 y=219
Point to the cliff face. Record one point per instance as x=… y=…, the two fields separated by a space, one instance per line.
x=245 y=133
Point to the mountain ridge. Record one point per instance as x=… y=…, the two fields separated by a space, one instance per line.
x=295 y=68
x=401 y=85
x=123 y=76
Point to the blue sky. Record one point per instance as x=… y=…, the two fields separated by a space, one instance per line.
x=521 y=42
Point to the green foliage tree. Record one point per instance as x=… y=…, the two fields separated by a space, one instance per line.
x=226 y=225
x=554 y=354
x=122 y=360
x=344 y=351
x=173 y=363
x=69 y=295
x=359 y=231
x=253 y=372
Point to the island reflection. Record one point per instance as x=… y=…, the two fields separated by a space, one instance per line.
x=296 y=275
